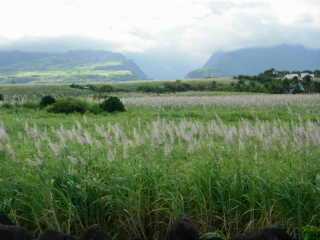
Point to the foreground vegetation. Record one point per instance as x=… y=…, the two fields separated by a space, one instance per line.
x=231 y=163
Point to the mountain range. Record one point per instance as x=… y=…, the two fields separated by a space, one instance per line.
x=64 y=60
x=252 y=61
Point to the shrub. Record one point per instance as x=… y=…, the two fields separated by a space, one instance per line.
x=1 y=97
x=73 y=85
x=112 y=104
x=69 y=105
x=46 y=101
x=213 y=85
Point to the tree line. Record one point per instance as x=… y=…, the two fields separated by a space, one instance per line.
x=273 y=81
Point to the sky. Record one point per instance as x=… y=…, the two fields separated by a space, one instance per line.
x=190 y=28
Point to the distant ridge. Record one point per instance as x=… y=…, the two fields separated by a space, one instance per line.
x=252 y=61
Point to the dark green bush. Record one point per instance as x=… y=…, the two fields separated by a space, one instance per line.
x=1 y=97
x=47 y=101
x=112 y=104
x=69 y=105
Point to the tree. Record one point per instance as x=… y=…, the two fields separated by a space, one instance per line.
x=286 y=85
x=307 y=83
x=213 y=85
x=298 y=88
x=295 y=80
x=269 y=73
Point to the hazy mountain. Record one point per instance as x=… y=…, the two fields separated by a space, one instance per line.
x=165 y=66
x=251 y=61
x=89 y=65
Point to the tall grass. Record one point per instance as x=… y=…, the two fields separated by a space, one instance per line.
x=135 y=177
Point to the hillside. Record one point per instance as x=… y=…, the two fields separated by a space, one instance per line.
x=71 y=66
x=252 y=61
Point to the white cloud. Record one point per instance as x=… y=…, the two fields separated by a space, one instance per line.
x=194 y=27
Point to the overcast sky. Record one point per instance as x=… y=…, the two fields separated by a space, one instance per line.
x=193 y=27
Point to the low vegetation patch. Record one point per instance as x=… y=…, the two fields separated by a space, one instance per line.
x=73 y=105
x=157 y=87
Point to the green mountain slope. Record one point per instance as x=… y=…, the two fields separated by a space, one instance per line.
x=72 y=66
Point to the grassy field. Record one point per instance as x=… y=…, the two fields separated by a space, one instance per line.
x=232 y=162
